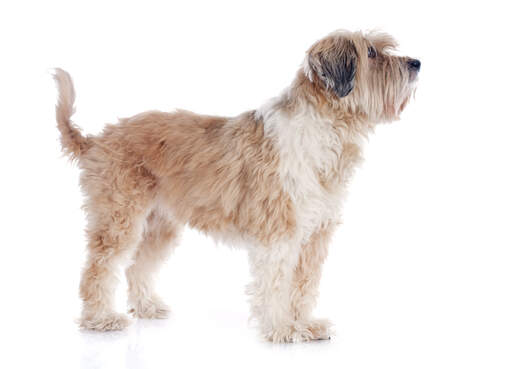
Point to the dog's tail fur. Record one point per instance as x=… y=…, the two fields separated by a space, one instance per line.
x=71 y=139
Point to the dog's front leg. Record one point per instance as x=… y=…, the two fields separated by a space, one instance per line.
x=273 y=268
x=306 y=281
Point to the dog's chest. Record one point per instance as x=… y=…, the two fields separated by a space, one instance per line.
x=310 y=158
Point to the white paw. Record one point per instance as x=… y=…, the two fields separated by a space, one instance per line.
x=152 y=308
x=301 y=331
x=105 y=322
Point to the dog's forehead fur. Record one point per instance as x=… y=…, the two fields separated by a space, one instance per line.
x=383 y=42
x=338 y=41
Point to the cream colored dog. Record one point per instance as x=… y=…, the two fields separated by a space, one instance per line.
x=272 y=178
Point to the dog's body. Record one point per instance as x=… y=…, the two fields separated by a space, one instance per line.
x=272 y=179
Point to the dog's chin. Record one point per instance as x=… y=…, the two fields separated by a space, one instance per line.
x=413 y=78
x=406 y=100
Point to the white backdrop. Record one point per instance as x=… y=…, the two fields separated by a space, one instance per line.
x=419 y=275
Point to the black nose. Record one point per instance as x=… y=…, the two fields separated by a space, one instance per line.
x=414 y=64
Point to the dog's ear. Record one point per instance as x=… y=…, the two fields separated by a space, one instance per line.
x=336 y=67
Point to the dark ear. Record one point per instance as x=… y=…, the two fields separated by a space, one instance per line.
x=336 y=67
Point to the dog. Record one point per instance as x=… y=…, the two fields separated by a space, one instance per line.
x=272 y=179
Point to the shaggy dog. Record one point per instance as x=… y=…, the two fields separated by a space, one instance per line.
x=273 y=178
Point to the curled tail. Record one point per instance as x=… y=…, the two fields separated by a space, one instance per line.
x=73 y=143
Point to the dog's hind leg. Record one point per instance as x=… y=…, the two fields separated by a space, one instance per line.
x=117 y=203
x=160 y=237
x=113 y=233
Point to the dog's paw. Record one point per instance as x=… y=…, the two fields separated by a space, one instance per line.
x=152 y=308
x=301 y=331
x=105 y=322
x=317 y=329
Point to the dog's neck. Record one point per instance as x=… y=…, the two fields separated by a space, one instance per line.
x=304 y=96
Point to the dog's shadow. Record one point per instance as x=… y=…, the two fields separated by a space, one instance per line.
x=147 y=342
x=127 y=347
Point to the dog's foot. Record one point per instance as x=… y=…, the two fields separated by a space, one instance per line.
x=153 y=308
x=105 y=322
x=301 y=331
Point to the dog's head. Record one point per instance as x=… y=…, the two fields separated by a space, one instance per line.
x=359 y=72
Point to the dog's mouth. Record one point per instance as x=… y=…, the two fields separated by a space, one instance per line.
x=413 y=77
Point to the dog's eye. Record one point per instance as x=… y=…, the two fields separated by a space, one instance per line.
x=372 y=53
